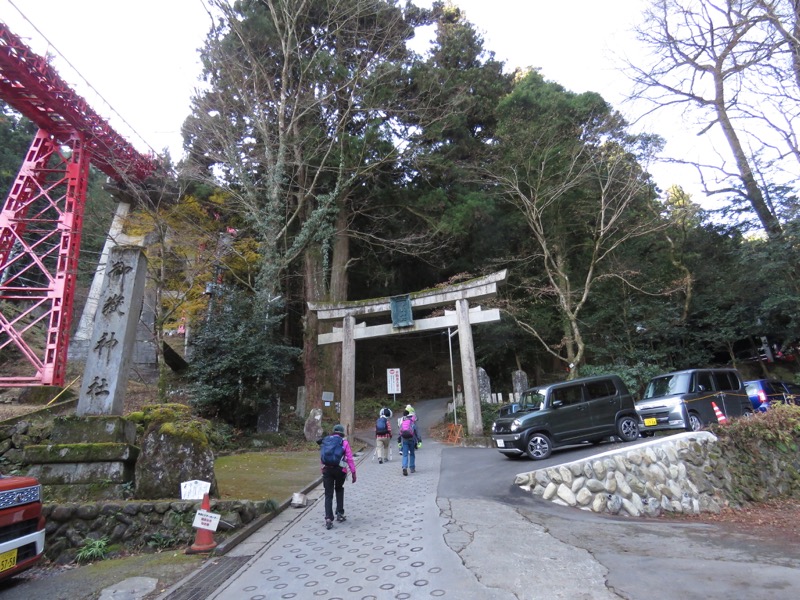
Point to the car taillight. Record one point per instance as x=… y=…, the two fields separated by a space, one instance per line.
x=762 y=397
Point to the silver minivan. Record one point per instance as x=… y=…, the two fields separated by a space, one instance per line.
x=692 y=399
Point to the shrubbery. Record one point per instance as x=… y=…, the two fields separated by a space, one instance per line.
x=239 y=361
x=778 y=428
x=762 y=453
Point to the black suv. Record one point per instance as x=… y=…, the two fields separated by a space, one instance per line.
x=569 y=412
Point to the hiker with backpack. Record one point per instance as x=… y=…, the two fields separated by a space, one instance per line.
x=336 y=457
x=409 y=411
x=383 y=435
x=409 y=441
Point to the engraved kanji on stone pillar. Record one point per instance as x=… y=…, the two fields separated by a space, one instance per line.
x=105 y=379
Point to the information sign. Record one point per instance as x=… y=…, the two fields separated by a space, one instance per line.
x=206 y=520
x=393 y=380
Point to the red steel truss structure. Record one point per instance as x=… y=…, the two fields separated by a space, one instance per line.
x=41 y=220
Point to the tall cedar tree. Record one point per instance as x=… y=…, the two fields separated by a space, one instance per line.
x=297 y=114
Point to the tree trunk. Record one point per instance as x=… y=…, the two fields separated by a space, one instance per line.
x=340 y=258
x=339 y=283
x=313 y=291
x=794 y=42
x=768 y=220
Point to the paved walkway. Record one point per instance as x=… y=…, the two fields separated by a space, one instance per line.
x=418 y=537
x=401 y=540
x=391 y=546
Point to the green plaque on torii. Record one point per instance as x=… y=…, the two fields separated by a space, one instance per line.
x=401 y=311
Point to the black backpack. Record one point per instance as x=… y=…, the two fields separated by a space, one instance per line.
x=332 y=451
x=380 y=426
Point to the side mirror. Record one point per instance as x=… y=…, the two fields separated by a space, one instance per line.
x=556 y=404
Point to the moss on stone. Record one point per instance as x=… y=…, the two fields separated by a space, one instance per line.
x=161 y=413
x=195 y=431
x=79 y=453
x=45 y=394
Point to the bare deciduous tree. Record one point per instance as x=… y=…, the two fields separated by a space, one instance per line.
x=583 y=194
x=733 y=65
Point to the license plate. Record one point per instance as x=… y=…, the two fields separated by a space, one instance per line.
x=651 y=422
x=8 y=560
x=500 y=444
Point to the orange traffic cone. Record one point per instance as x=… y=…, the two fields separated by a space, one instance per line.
x=721 y=418
x=204 y=538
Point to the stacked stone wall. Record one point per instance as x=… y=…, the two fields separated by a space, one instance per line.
x=683 y=473
x=138 y=526
x=15 y=436
x=128 y=525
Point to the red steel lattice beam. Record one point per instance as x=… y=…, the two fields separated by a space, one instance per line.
x=35 y=89
x=41 y=220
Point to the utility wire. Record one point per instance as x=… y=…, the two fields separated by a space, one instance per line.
x=86 y=81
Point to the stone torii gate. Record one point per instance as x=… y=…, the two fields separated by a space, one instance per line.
x=401 y=309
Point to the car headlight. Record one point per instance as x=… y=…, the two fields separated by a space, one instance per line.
x=494 y=427
x=515 y=424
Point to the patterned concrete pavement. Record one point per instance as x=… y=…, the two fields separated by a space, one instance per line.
x=402 y=540
x=391 y=546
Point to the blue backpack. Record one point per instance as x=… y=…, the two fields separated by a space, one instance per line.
x=380 y=426
x=332 y=451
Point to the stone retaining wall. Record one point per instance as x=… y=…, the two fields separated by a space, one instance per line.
x=133 y=525
x=14 y=436
x=139 y=525
x=683 y=473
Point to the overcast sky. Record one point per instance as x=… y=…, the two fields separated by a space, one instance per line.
x=142 y=56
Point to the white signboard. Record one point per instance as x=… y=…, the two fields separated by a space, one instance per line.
x=194 y=490
x=393 y=380
x=206 y=520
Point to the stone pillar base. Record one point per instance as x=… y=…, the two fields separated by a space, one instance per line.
x=71 y=469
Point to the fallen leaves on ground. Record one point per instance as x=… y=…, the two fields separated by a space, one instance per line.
x=778 y=519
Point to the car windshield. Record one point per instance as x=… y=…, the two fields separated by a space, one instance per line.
x=532 y=400
x=667 y=385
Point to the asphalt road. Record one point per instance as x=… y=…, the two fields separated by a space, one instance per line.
x=496 y=473
x=638 y=559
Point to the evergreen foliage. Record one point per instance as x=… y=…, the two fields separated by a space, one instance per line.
x=16 y=134
x=329 y=161
x=240 y=362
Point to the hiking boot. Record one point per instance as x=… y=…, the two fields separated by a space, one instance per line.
x=328 y=523
x=380 y=461
x=413 y=470
x=340 y=517
x=405 y=471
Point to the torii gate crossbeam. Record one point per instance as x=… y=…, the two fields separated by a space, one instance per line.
x=463 y=318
